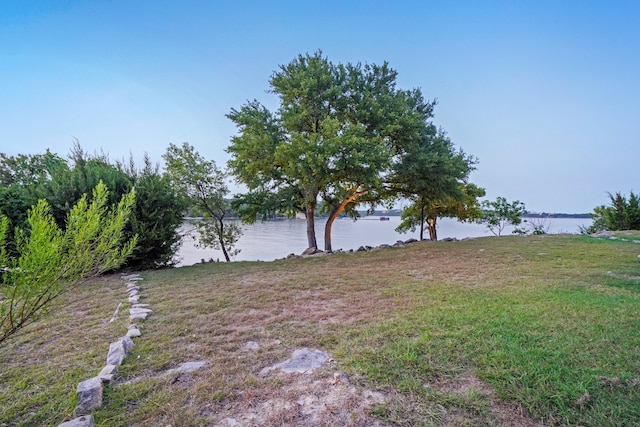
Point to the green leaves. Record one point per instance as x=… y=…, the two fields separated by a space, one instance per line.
x=50 y=260
x=204 y=187
x=334 y=138
x=500 y=213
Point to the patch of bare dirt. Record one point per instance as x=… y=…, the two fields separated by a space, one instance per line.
x=319 y=399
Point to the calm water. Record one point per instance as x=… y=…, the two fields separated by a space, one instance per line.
x=266 y=241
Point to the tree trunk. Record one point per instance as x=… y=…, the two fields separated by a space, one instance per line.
x=433 y=234
x=221 y=240
x=337 y=210
x=422 y=223
x=311 y=227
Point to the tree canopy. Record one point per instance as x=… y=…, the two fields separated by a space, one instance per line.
x=335 y=139
x=203 y=185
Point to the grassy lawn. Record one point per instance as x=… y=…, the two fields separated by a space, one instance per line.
x=491 y=331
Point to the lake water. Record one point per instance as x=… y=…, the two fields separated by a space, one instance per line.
x=266 y=241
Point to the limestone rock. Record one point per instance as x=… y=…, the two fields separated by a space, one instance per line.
x=84 y=421
x=311 y=251
x=409 y=241
x=302 y=361
x=133 y=333
x=89 y=395
x=139 y=310
x=134 y=299
x=133 y=288
x=138 y=316
x=107 y=373
x=127 y=342
x=116 y=353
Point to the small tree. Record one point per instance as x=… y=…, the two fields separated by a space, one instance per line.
x=500 y=213
x=203 y=185
x=462 y=205
x=50 y=261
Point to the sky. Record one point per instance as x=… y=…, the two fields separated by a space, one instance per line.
x=544 y=93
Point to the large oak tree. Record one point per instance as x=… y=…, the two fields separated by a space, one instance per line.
x=334 y=138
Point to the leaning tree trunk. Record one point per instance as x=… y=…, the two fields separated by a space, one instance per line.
x=422 y=223
x=221 y=240
x=433 y=234
x=337 y=210
x=311 y=227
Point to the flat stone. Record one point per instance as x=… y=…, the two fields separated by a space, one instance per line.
x=140 y=305
x=133 y=333
x=139 y=316
x=134 y=299
x=302 y=361
x=116 y=353
x=89 y=395
x=132 y=326
x=133 y=288
x=107 y=373
x=139 y=310
x=84 y=421
x=133 y=292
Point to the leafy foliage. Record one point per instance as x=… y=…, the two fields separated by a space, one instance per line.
x=496 y=215
x=156 y=218
x=334 y=139
x=203 y=185
x=51 y=260
x=463 y=205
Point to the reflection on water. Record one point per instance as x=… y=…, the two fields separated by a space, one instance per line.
x=266 y=241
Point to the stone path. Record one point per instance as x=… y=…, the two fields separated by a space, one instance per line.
x=90 y=391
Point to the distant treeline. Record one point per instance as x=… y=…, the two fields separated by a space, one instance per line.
x=556 y=215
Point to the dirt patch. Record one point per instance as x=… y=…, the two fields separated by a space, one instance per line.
x=320 y=399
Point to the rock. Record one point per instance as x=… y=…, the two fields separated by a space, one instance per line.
x=361 y=249
x=139 y=305
x=232 y=422
x=84 y=421
x=107 y=373
x=368 y=247
x=116 y=353
x=398 y=243
x=139 y=310
x=383 y=246
x=409 y=241
x=138 y=316
x=134 y=299
x=638 y=258
x=302 y=361
x=311 y=251
x=132 y=333
x=89 y=395
x=132 y=292
x=127 y=342
x=449 y=239
x=133 y=288
x=292 y=255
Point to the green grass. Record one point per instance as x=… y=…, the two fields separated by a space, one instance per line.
x=490 y=331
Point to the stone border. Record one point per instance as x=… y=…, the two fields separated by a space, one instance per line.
x=90 y=391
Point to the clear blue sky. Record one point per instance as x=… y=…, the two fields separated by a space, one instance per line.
x=545 y=93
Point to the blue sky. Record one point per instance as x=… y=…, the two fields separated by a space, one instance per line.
x=544 y=93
